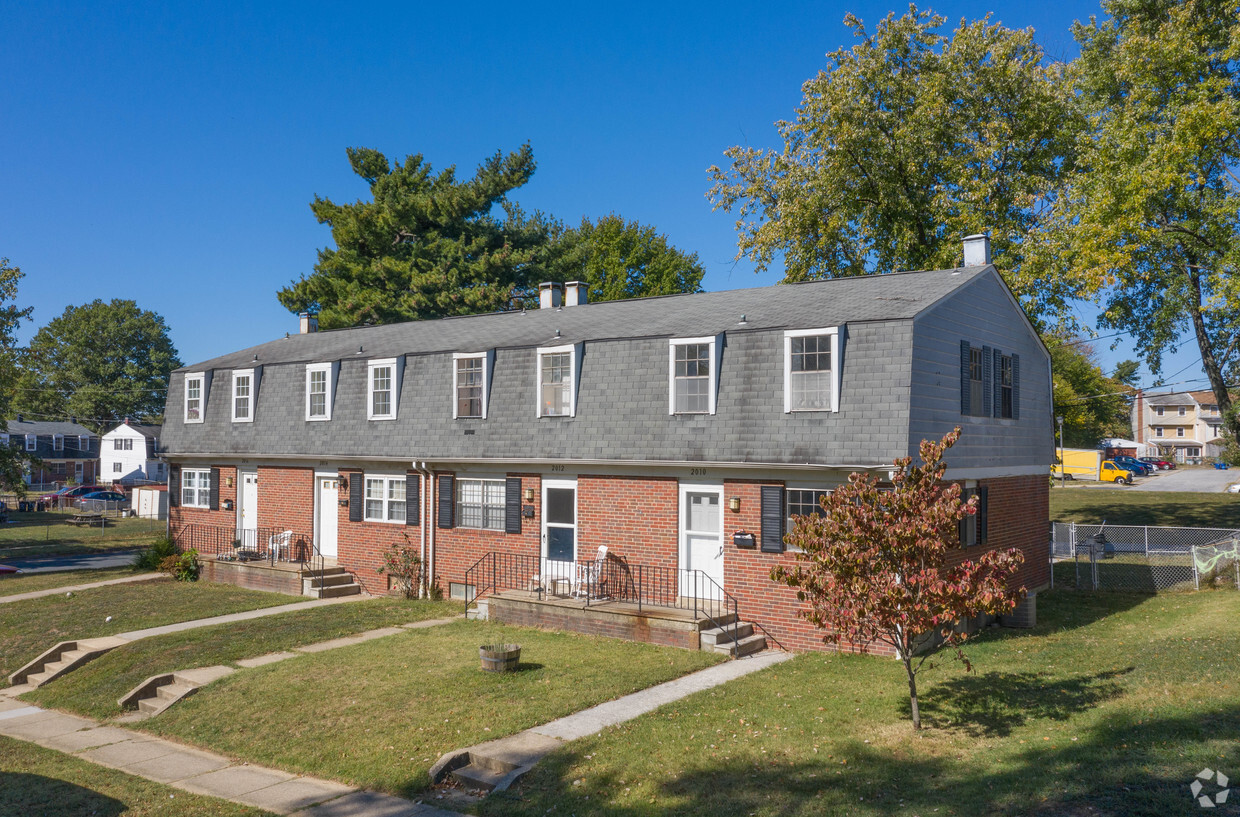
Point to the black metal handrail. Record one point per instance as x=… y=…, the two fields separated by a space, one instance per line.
x=228 y=544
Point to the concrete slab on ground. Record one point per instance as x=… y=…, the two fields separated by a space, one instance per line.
x=232 y=618
x=177 y=765
x=129 y=752
x=292 y=795
x=373 y=804
x=86 y=739
x=234 y=781
x=263 y=660
x=1207 y=480
x=350 y=640
x=42 y=725
x=75 y=588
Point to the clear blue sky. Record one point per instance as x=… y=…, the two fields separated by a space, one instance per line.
x=168 y=152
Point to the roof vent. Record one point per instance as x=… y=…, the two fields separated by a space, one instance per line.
x=309 y=322
x=550 y=295
x=575 y=292
x=976 y=250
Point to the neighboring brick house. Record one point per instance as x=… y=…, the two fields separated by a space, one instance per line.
x=1183 y=425
x=657 y=427
x=129 y=455
x=66 y=451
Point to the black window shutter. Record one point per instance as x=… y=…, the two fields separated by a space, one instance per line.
x=964 y=377
x=446 y=498
x=215 y=489
x=998 y=384
x=174 y=486
x=983 y=514
x=772 y=519
x=512 y=505
x=962 y=527
x=413 y=499
x=989 y=376
x=357 y=497
x=1015 y=387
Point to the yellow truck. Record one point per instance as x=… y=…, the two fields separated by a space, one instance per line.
x=1079 y=463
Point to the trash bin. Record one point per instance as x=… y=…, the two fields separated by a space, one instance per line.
x=1101 y=547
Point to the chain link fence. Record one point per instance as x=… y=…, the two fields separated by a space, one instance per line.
x=1143 y=559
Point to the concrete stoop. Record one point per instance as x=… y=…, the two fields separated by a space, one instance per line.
x=492 y=766
x=159 y=692
x=334 y=582
x=62 y=658
x=736 y=640
x=478 y=612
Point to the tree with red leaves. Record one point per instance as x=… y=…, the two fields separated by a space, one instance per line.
x=873 y=566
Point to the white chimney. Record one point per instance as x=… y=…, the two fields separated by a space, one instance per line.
x=575 y=292
x=550 y=295
x=976 y=250
x=309 y=322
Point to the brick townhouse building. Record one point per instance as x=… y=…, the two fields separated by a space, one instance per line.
x=64 y=451
x=657 y=427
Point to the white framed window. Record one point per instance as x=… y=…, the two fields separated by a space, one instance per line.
x=83 y=442
x=58 y=442
x=471 y=378
x=4 y=440
x=556 y=382
x=1179 y=432
x=811 y=370
x=318 y=391
x=116 y=467
x=194 y=397
x=692 y=375
x=122 y=444
x=480 y=503
x=1159 y=411
x=196 y=488
x=1182 y=410
x=243 y=396
x=385 y=499
x=1158 y=432
x=32 y=442
x=382 y=389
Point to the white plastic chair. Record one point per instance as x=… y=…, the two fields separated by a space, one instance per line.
x=278 y=542
x=587 y=576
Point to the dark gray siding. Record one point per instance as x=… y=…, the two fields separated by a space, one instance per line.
x=621 y=410
x=981 y=313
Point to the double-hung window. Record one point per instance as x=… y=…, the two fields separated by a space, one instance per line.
x=557 y=381
x=243 y=396
x=83 y=442
x=1005 y=386
x=692 y=375
x=1158 y=432
x=471 y=374
x=195 y=488
x=1182 y=411
x=811 y=370
x=383 y=387
x=973 y=527
x=122 y=444
x=318 y=391
x=1179 y=432
x=58 y=442
x=976 y=382
x=480 y=503
x=194 y=397
x=385 y=499
x=32 y=442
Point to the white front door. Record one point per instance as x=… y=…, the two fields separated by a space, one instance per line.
x=701 y=541
x=325 y=522
x=559 y=527
x=77 y=472
x=247 y=510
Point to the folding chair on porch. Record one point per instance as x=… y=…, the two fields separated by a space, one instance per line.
x=279 y=542
x=588 y=577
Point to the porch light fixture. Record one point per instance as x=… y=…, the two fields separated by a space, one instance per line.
x=344 y=503
x=344 y=482
x=529 y=494
x=228 y=481
x=734 y=504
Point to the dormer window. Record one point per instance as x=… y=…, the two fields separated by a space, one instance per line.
x=83 y=442
x=58 y=442
x=557 y=380
x=243 y=396
x=383 y=388
x=319 y=391
x=692 y=375
x=811 y=375
x=1183 y=410
x=194 y=397
x=32 y=442
x=471 y=375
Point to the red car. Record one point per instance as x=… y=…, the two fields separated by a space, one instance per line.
x=1160 y=464
x=69 y=492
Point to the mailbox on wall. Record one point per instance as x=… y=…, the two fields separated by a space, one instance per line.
x=744 y=540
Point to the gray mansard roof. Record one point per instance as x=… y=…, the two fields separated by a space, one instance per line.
x=622 y=393
x=46 y=430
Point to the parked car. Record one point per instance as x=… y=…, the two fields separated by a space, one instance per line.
x=1114 y=472
x=1142 y=469
x=103 y=501
x=69 y=492
x=1161 y=464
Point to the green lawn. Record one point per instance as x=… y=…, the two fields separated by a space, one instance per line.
x=1109 y=707
x=1120 y=507
x=38 y=781
x=16 y=584
x=40 y=534
x=94 y=689
x=377 y=715
x=29 y=627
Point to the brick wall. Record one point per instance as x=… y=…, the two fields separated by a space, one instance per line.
x=458 y=549
x=286 y=502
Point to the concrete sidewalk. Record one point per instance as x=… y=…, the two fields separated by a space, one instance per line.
x=74 y=588
x=197 y=771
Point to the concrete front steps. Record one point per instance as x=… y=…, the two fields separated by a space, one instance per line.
x=332 y=583
x=159 y=692
x=64 y=657
x=735 y=640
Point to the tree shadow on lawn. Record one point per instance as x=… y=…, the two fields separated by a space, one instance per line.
x=1120 y=767
x=22 y=793
x=993 y=704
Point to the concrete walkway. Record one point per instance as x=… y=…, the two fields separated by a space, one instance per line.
x=73 y=588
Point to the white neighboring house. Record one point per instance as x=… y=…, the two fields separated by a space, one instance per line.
x=128 y=455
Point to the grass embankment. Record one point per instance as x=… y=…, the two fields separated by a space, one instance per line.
x=1192 y=510
x=16 y=584
x=377 y=715
x=50 y=533
x=93 y=690
x=1109 y=707
x=38 y=781
x=29 y=627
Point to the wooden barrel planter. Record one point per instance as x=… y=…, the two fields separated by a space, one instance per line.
x=500 y=657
